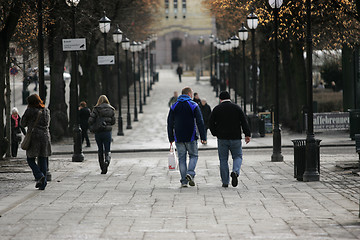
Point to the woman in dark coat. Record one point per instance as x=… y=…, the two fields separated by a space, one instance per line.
x=40 y=146
x=16 y=131
x=105 y=113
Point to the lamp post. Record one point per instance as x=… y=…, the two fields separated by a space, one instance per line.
x=143 y=47
x=126 y=46
x=228 y=49
x=78 y=155
x=235 y=45
x=133 y=49
x=117 y=37
x=276 y=156
x=252 y=22
x=211 y=40
x=222 y=68
x=311 y=167
x=216 y=44
x=243 y=36
x=147 y=42
x=104 y=26
x=201 y=43
x=138 y=50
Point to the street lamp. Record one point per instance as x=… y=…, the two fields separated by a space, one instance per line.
x=235 y=45
x=78 y=155
x=147 y=52
x=243 y=36
x=143 y=47
x=104 y=26
x=211 y=40
x=216 y=45
x=228 y=49
x=126 y=46
x=133 y=49
x=252 y=22
x=276 y=156
x=311 y=167
x=201 y=43
x=138 y=49
x=117 y=37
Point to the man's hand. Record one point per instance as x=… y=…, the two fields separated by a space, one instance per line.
x=203 y=142
x=247 y=140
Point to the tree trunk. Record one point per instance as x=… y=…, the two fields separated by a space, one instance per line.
x=57 y=105
x=8 y=28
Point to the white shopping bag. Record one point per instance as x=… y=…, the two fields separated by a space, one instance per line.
x=172 y=158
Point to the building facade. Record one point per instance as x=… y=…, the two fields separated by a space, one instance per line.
x=181 y=23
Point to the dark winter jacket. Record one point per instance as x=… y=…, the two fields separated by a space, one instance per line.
x=16 y=130
x=84 y=114
x=226 y=121
x=107 y=112
x=184 y=116
x=40 y=138
x=205 y=111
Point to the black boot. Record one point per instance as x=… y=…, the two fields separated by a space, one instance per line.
x=107 y=161
x=102 y=163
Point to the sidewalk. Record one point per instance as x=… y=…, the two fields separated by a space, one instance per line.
x=140 y=199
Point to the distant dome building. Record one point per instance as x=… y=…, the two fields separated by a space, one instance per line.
x=181 y=23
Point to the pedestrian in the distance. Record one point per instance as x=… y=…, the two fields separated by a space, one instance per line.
x=205 y=111
x=179 y=71
x=40 y=146
x=16 y=131
x=226 y=121
x=184 y=116
x=197 y=98
x=173 y=99
x=101 y=120
x=84 y=114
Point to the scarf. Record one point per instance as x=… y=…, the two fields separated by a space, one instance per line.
x=16 y=119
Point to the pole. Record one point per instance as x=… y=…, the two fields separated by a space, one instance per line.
x=148 y=70
x=254 y=69
x=235 y=73
x=134 y=77
x=244 y=75
x=276 y=156
x=216 y=74
x=140 y=92
x=120 y=121
x=128 y=115
x=311 y=167
x=211 y=65
x=77 y=156
x=143 y=74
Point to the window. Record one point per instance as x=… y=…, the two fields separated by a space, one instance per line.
x=167 y=8
x=175 y=7
x=184 y=8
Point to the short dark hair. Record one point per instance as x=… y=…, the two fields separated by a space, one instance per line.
x=224 y=95
x=186 y=90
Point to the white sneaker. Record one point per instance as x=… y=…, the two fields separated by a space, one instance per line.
x=183 y=185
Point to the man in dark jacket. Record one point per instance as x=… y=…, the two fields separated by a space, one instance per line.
x=84 y=114
x=226 y=121
x=182 y=129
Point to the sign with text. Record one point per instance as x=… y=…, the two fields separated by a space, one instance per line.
x=106 y=60
x=330 y=121
x=268 y=121
x=77 y=44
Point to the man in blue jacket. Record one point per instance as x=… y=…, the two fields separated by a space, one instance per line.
x=226 y=121
x=184 y=116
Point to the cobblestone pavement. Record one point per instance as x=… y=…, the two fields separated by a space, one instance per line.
x=140 y=199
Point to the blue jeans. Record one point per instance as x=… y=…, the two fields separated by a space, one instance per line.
x=39 y=170
x=192 y=149
x=103 y=141
x=235 y=148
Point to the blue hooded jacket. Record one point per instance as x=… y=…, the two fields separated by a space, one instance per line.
x=181 y=121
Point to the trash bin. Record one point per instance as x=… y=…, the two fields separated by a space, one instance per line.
x=155 y=77
x=354 y=122
x=300 y=159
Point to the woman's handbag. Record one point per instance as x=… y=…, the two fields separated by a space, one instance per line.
x=172 y=159
x=27 y=139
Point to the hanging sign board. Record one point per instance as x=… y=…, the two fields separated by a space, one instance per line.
x=77 y=44
x=106 y=60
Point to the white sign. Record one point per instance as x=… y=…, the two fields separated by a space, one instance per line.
x=106 y=60
x=77 y=44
